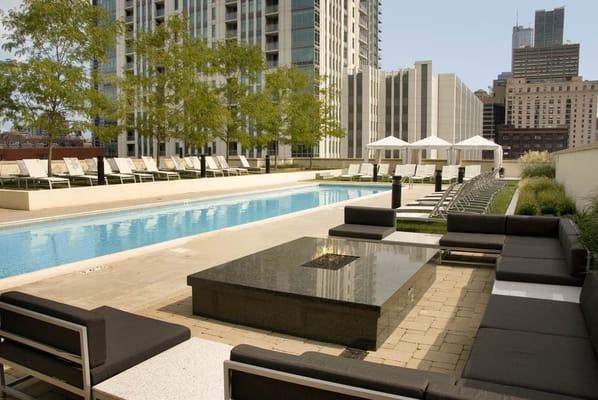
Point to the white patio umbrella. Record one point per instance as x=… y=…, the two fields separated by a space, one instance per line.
x=387 y=143
x=430 y=143
x=480 y=143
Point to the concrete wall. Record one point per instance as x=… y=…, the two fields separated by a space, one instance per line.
x=512 y=168
x=575 y=170
x=77 y=196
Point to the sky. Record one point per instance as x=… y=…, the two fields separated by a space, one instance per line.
x=471 y=38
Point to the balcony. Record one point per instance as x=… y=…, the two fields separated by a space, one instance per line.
x=231 y=15
x=130 y=65
x=270 y=28
x=129 y=18
x=129 y=3
x=271 y=46
x=231 y=33
x=271 y=8
x=159 y=12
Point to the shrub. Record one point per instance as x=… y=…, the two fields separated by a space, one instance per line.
x=527 y=208
x=542 y=195
x=548 y=202
x=536 y=170
x=535 y=157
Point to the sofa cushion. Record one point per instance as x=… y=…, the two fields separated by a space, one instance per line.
x=363 y=374
x=524 y=225
x=52 y=335
x=574 y=252
x=476 y=223
x=532 y=247
x=555 y=364
x=588 y=301
x=372 y=232
x=132 y=339
x=535 y=270
x=567 y=227
x=370 y=216
x=512 y=390
x=534 y=315
x=481 y=241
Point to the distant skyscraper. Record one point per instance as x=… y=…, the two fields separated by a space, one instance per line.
x=544 y=63
x=522 y=37
x=549 y=27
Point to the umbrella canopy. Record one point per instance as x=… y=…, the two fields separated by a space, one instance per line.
x=476 y=143
x=388 y=143
x=430 y=143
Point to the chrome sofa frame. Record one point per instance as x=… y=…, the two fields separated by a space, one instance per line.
x=82 y=360
x=230 y=366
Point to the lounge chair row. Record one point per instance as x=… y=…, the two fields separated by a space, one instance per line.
x=409 y=172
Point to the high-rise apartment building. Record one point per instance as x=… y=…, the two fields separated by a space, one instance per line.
x=327 y=37
x=546 y=63
x=549 y=26
x=522 y=37
x=410 y=104
x=555 y=104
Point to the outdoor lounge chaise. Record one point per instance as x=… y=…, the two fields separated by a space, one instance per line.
x=366 y=223
x=531 y=248
x=152 y=168
x=525 y=349
x=75 y=172
x=73 y=348
x=34 y=170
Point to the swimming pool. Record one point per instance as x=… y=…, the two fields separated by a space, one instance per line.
x=33 y=247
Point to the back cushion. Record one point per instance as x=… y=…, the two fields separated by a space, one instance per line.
x=370 y=216
x=523 y=225
x=575 y=253
x=475 y=223
x=567 y=227
x=588 y=301
x=52 y=335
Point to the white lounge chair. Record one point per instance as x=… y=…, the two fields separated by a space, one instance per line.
x=423 y=172
x=36 y=173
x=352 y=172
x=450 y=173
x=471 y=171
x=180 y=166
x=224 y=164
x=221 y=161
x=366 y=172
x=126 y=165
x=212 y=166
x=152 y=168
x=196 y=164
x=75 y=171
x=247 y=166
x=384 y=171
x=109 y=173
x=405 y=171
x=92 y=165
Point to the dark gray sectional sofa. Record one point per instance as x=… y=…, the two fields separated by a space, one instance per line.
x=525 y=349
x=48 y=339
x=532 y=249
x=371 y=223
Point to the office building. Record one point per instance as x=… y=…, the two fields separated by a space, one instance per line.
x=329 y=38
x=548 y=27
x=554 y=104
x=518 y=141
x=546 y=63
x=414 y=103
x=522 y=37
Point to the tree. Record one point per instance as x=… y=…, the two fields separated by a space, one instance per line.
x=271 y=109
x=238 y=66
x=312 y=118
x=51 y=86
x=172 y=96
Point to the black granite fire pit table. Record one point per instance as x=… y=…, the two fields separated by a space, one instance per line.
x=349 y=292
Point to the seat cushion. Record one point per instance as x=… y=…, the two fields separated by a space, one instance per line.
x=370 y=216
x=574 y=253
x=363 y=374
x=534 y=315
x=518 y=392
x=532 y=247
x=535 y=270
x=52 y=335
x=372 y=232
x=524 y=225
x=550 y=363
x=480 y=241
x=132 y=339
x=588 y=301
x=476 y=223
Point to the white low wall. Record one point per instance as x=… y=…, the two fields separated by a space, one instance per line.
x=79 y=196
x=575 y=169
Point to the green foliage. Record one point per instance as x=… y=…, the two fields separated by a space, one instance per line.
x=543 y=196
x=535 y=157
x=587 y=221
x=51 y=86
x=536 y=170
x=503 y=199
x=422 y=227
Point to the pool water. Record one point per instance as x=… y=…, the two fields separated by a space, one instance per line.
x=36 y=246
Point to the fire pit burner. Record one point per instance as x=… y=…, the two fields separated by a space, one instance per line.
x=330 y=261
